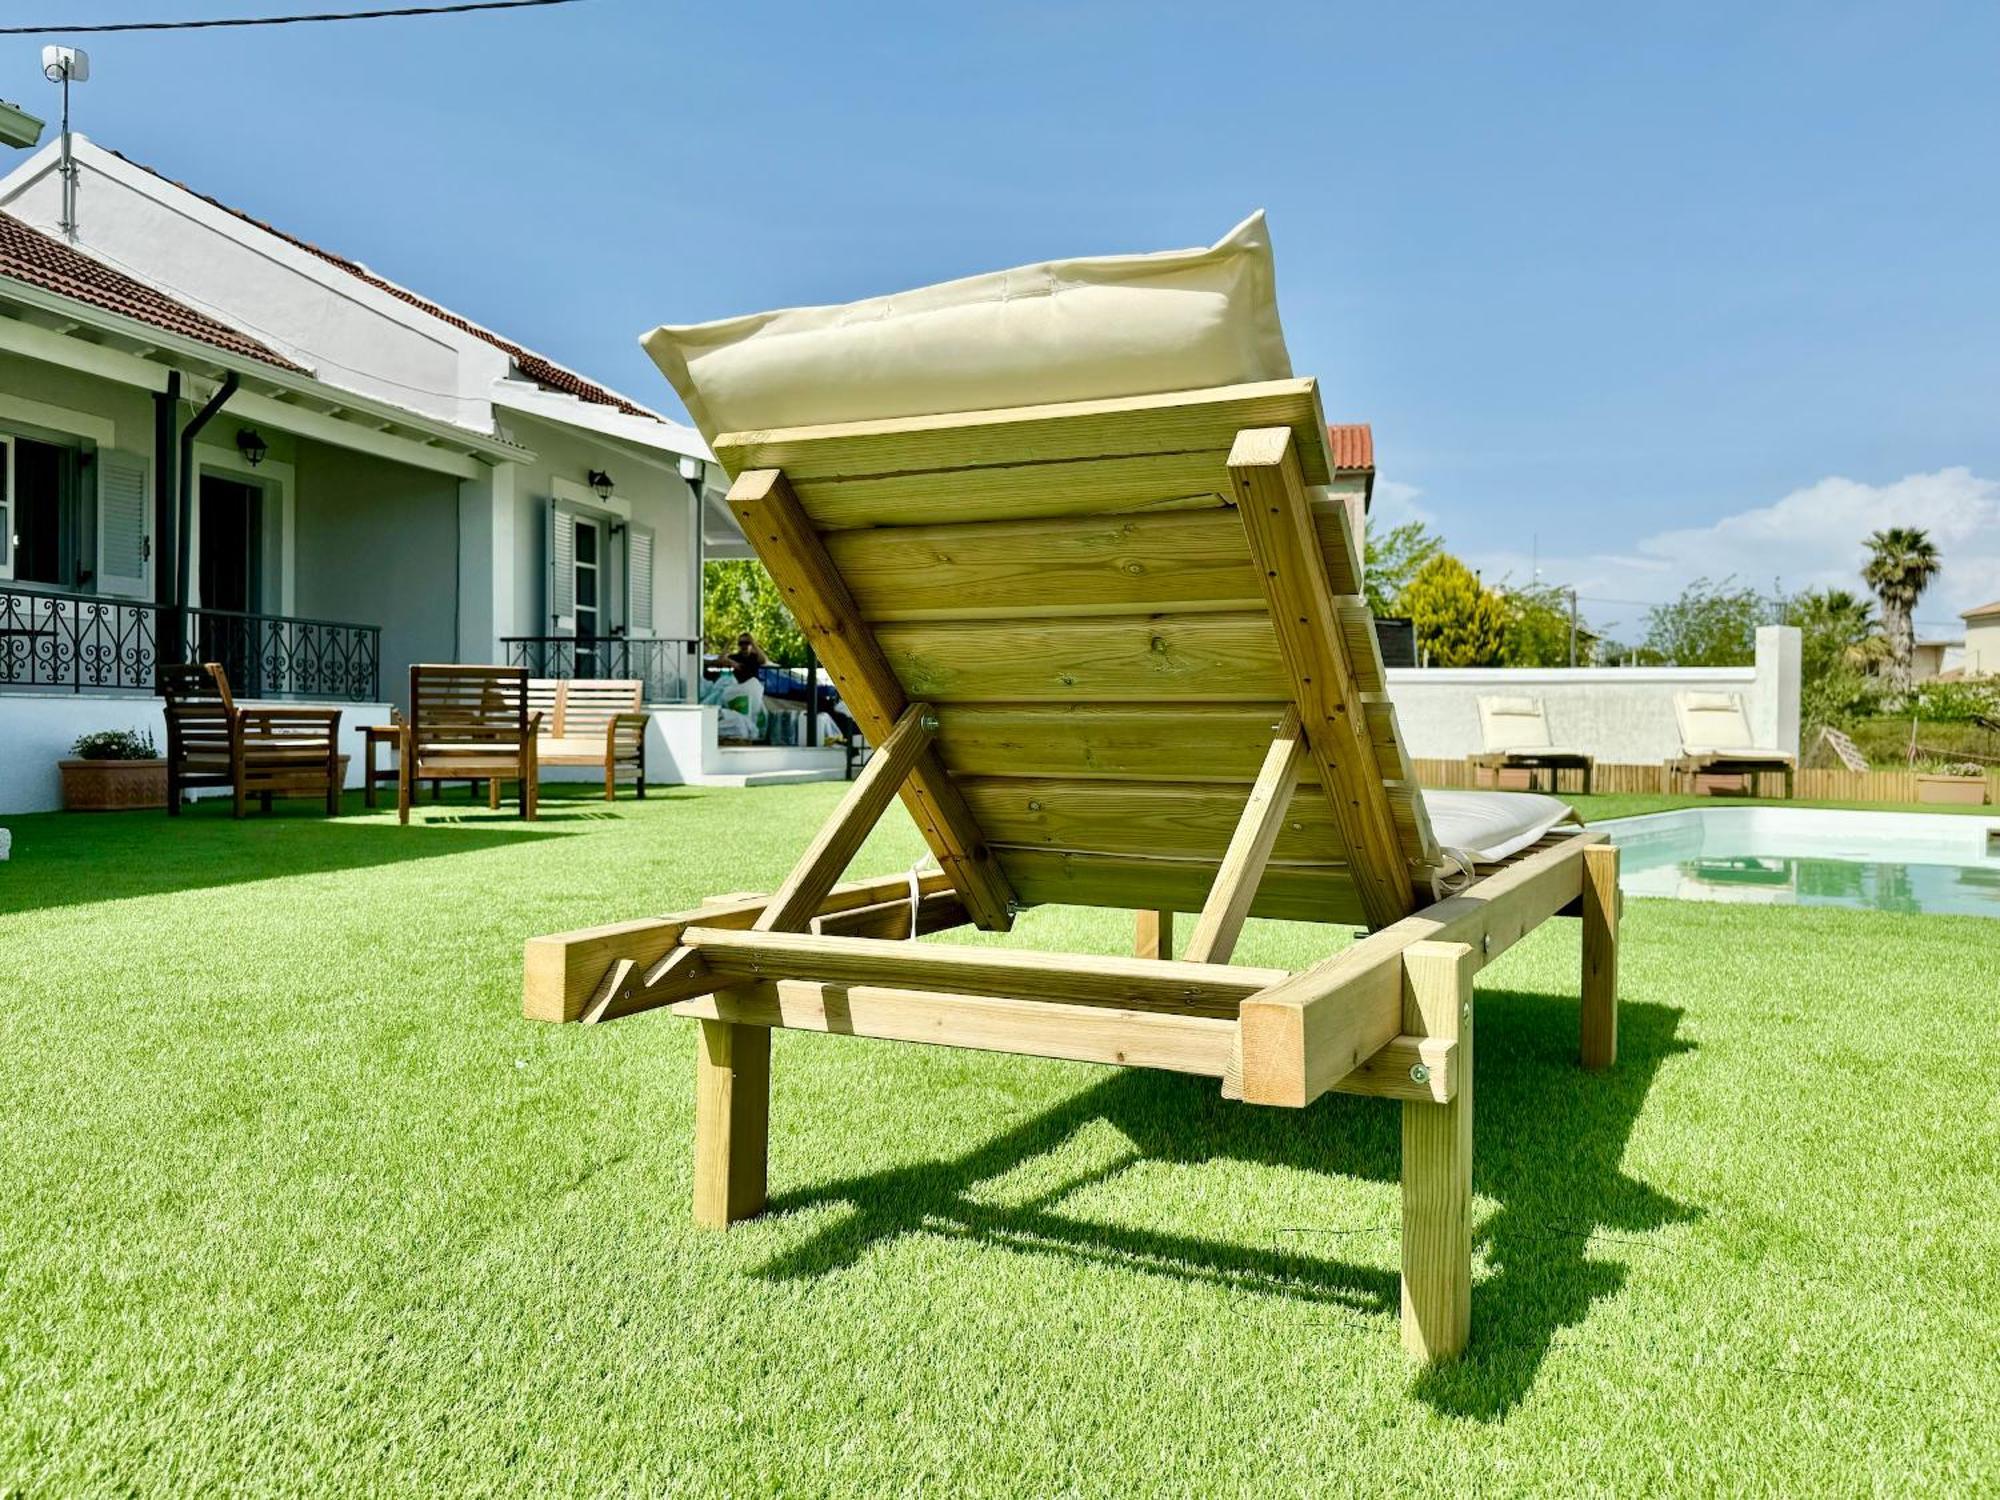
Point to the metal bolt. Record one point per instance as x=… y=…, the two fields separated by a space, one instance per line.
x=1465 y=1011
x=1419 y=1073
x=1486 y=942
x=928 y=723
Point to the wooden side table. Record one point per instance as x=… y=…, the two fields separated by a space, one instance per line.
x=371 y=736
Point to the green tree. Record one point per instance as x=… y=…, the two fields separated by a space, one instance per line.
x=1393 y=559
x=1709 y=625
x=1459 y=621
x=739 y=596
x=1901 y=563
x=1840 y=643
x=1538 y=628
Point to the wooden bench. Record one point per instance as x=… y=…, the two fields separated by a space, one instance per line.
x=592 y=721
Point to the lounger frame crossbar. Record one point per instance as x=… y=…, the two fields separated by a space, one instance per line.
x=1389 y=1015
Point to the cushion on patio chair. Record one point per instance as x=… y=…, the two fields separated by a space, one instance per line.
x=1489 y=826
x=1065 y=330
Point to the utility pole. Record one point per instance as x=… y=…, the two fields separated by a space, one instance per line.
x=66 y=65
x=1572 y=627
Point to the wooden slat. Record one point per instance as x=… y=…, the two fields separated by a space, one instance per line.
x=938 y=912
x=1272 y=501
x=1228 y=905
x=1176 y=422
x=1294 y=893
x=1437 y=1160
x=562 y=971
x=843 y=833
x=1180 y=562
x=1153 y=819
x=775 y=526
x=1303 y=1036
x=1153 y=935
x=1134 y=484
x=1035 y=1028
x=1199 y=658
x=1077 y=979
x=1187 y=742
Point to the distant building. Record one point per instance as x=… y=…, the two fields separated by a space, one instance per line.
x=1982 y=640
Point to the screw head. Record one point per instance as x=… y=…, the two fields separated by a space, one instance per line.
x=928 y=723
x=1419 y=1073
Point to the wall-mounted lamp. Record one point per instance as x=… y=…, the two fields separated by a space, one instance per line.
x=251 y=445
x=601 y=483
x=692 y=468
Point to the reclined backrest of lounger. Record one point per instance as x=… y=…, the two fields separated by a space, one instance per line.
x=1513 y=723
x=1713 y=721
x=1109 y=644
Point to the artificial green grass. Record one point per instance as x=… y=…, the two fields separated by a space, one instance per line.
x=294 y=1202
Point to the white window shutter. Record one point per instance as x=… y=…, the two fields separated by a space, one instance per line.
x=639 y=580
x=124 y=500
x=561 y=553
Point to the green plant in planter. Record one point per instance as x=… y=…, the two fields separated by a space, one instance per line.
x=115 y=744
x=1936 y=765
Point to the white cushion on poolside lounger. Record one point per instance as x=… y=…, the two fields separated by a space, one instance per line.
x=1492 y=825
x=1064 y=330
x=1715 y=724
x=1513 y=724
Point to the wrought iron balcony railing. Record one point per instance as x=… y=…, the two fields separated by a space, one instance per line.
x=78 y=643
x=670 y=666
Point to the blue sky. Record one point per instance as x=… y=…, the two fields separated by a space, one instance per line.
x=1634 y=294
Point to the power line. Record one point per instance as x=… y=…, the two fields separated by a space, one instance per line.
x=330 y=15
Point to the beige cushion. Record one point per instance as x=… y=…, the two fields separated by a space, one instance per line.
x=571 y=744
x=1492 y=825
x=1064 y=330
x=1712 y=721
x=1513 y=724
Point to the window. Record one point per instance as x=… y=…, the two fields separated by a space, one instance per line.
x=589 y=594
x=43 y=526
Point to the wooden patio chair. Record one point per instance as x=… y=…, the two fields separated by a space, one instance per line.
x=468 y=724
x=261 y=751
x=1111 y=653
x=592 y=721
x=1514 y=735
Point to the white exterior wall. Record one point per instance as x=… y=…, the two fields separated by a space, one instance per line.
x=37 y=730
x=1621 y=715
x=1982 y=647
x=348 y=333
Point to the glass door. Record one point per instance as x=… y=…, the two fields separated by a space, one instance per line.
x=589 y=595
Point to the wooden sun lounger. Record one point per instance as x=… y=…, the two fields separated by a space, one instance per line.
x=1110 y=654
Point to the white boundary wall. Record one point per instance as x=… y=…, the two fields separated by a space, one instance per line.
x=1621 y=715
x=37 y=730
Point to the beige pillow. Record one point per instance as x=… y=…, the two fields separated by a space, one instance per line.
x=1065 y=330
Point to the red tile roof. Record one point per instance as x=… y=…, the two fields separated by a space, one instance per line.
x=1353 y=445
x=542 y=371
x=29 y=256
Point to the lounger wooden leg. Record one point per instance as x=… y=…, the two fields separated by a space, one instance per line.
x=405 y=788
x=1600 y=956
x=1154 y=937
x=1437 y=1161
x=493 y=794
x=732 y=1122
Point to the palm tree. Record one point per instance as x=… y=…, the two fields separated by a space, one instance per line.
x=1901 y=564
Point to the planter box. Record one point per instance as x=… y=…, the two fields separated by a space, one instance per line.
x=113 y=785
x=1962 y=791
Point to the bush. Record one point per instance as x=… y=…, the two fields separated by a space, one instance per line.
x=1953 y=702
x=115 y=744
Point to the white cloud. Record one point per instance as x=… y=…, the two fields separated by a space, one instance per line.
x=1395 y=503
x=1812 y=538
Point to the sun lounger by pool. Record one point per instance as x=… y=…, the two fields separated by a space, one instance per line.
x=1111 y=652
x=1716 y=741
x=1514 y=734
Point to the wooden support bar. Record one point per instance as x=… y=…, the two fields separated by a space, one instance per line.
x=563 y=972
x=1437 y=1160
x=1079 y=979
x=732 y=1122
x=1153 y=935
x=1228 y=904
x=791 y=549
x=1600 y=956
x=1034 y=1028
x=842 y=834
x=1302 y=1037
x=1276 y=512
x=937 y=912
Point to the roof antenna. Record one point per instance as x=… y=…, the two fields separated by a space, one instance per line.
x=66 y=65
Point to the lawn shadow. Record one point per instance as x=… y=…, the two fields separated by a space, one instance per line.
x=1549 y=1141
x=76 y=859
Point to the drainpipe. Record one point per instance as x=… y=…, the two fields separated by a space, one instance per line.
x=186 y=488
x=166 y=423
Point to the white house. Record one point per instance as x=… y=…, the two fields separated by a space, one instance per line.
x=1982 y=640
x=219 y=440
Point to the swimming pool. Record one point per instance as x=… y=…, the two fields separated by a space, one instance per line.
x=1908 y=862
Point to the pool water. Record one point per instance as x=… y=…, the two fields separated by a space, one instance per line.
x=1783 y=856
